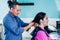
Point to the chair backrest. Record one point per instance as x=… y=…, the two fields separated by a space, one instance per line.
x=1 y=32
x=2 y=36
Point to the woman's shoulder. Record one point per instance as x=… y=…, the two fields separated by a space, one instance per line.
x=41 y=32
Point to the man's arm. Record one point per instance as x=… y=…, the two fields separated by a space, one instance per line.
x=23 y=24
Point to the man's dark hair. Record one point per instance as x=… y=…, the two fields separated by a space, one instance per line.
x=12 y=4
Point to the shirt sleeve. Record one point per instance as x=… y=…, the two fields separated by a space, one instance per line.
x=13 y=27
x=41 y=36
x=23 y=24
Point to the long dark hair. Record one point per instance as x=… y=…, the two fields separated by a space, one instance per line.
x=38 y=17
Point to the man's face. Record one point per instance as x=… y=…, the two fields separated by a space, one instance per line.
x=16 y=10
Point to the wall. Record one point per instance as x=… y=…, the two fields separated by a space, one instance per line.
x=47 y=6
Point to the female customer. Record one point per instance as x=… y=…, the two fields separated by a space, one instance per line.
x=39 y=32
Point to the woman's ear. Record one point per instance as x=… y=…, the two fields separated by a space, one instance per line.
x=41 y=21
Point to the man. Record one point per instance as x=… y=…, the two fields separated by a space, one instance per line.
x=14 y=26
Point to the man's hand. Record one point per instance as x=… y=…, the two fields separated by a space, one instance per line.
x=29 y=26
x=35 y=25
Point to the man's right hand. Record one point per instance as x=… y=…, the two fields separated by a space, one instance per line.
x=29 y=26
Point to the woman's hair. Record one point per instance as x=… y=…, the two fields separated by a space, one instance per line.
x=12 y=4
x=38 y=17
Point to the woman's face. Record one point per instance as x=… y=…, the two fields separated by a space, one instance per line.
x=45 y=21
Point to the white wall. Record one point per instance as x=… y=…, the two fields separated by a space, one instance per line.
x=3 y=9
x=52 y=21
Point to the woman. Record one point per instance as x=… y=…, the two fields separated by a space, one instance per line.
x=39 y=32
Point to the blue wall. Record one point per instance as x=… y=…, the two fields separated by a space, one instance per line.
x=47 y=6
x=59 y=14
